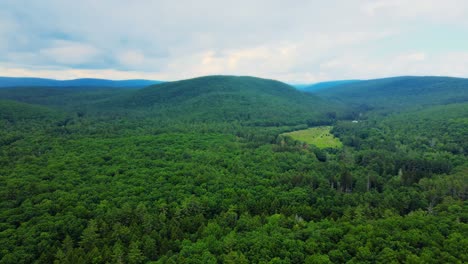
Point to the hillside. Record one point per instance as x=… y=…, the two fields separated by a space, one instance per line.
x=84 y=82
x=61 y=97
x=226 y=98
x=400 y=92
x=13 y=111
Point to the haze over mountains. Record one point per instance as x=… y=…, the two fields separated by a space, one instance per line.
x=322 y=85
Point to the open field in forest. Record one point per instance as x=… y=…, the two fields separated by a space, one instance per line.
x=318 y=136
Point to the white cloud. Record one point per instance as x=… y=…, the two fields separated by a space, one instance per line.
x=412 y=57
x=8 y=26
x=131 y=58
x=67 y=73
x=296 y=41
x=69 y=53
x=416 y=63
x=453 y=64
x=430 y=10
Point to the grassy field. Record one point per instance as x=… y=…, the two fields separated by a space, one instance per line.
x=318 y=136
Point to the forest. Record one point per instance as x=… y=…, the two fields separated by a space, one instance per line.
x=205 y=171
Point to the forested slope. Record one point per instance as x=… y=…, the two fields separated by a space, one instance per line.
x=249 y=100
x=400 y=93
x=65 y=98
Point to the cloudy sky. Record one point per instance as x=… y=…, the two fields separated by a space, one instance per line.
x=296 y=41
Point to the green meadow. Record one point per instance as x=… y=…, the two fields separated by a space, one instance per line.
x=318 y=136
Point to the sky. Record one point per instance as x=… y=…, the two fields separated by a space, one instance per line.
x=300 y=41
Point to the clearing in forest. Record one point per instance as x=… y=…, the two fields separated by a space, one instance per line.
x=318 y=136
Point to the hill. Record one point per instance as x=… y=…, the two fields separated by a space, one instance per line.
x=400 y=92
x=226 y=98
x=85 y=82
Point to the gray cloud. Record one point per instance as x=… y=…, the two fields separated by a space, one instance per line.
x=298 y=41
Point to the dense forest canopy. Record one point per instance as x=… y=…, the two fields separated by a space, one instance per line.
x=203 y=171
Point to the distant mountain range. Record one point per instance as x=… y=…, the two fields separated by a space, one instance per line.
x=250 y=100
x=85 y=82
x=322 y=85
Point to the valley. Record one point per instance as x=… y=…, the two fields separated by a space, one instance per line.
x=319 y=136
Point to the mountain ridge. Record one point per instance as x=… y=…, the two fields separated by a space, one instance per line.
x=399 y=92
x=80 y=82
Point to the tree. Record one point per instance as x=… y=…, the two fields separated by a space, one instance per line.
x=134 y=254
x=118 y=253
x=90 y=236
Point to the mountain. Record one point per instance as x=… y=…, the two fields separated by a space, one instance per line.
x=399 y=92
x=85 y=82
x=226 y=98
x=249 y=100
x=323 y=85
